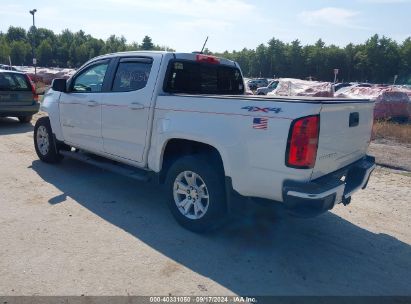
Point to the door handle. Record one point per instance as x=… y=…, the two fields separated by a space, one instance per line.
x=354 y=119
x=136 y=106
x=92 y=103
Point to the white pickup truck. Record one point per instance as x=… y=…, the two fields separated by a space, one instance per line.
x=183 y=120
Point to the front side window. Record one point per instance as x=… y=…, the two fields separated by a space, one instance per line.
x=91 y=79
x=131 y=76
x=203 y=78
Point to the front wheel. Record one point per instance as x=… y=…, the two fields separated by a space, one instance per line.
x=196 y=195
x=44 y=141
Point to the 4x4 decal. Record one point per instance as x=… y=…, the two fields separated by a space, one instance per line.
x=264 y=110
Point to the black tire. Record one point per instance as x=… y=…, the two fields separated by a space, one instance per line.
x=49 y=155
x=213 y=177
x=260 y=93
x=25 y=119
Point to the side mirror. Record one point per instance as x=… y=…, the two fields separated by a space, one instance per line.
x=59 y=84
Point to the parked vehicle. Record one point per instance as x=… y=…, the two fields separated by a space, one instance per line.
x=271 y=87
x=7 y=67
x=254 y=84
x=364 y=85
x=18 y=96
x=341 y=85
x=182 y=120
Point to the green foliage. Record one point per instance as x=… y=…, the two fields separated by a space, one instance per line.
x=147 y=44
x=405 y=64
x=19 y=51
x=378 y=60
x=16 y=34
x=44 y=53
x=5 y=50
x=66 y=49
x=115 y=44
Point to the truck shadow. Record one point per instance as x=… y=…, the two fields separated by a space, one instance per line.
x=13 y=126
x=252 y=256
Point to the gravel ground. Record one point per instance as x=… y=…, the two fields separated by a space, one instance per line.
x=392 y=154
x=72 y=229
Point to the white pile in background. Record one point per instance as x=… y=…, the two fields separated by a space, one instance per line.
x=361 y=92
x=405 y=89
x=46 y=75
x=390 y=101
x=298 y=87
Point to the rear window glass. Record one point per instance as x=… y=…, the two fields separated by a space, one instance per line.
x=14 y=82
x=203 y=78
x=131 y=76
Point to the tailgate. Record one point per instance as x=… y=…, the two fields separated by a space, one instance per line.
x=16 y=98
x=345 y=132
x=15 y=89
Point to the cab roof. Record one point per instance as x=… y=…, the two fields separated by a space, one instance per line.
x=176 y=55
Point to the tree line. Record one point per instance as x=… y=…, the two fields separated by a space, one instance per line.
x=66 y=49
x=377 y=60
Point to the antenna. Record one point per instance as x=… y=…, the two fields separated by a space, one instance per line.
x=205 y=42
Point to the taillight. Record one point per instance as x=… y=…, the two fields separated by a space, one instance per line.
x=303 y=142
x=207 y=59
x=33 y=89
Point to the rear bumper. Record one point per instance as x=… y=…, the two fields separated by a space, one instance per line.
x=19 y=110
x=322 y=194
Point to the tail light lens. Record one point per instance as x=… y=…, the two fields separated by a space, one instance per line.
x=303 y=142
x=33 y=89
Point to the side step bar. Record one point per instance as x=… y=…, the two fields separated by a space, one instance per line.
x=125 y=170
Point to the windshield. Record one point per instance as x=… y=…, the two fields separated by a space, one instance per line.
x=273 y=85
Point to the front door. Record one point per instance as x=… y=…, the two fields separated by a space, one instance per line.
x=80 y=108
x=126 y=108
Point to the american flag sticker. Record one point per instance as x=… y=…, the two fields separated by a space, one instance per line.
x=260 y=123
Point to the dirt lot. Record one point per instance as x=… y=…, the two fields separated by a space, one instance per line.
x=391 y=154
x=72 y=229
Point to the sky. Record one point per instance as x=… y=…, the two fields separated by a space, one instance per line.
x=230 y=24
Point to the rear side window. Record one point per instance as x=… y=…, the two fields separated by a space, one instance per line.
x=203 y=78
x=131 y=76
x=14 y=82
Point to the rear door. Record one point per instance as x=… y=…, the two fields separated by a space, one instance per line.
x=80 y=107
x=345 y=133
x=15 y=90
x=126 y=107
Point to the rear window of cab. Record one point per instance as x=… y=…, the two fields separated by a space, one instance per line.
x=193 y=77
x=14 y=82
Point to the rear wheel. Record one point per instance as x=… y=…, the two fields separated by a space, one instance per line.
x=196 y=195
x=44 y=141
x=25 y=119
